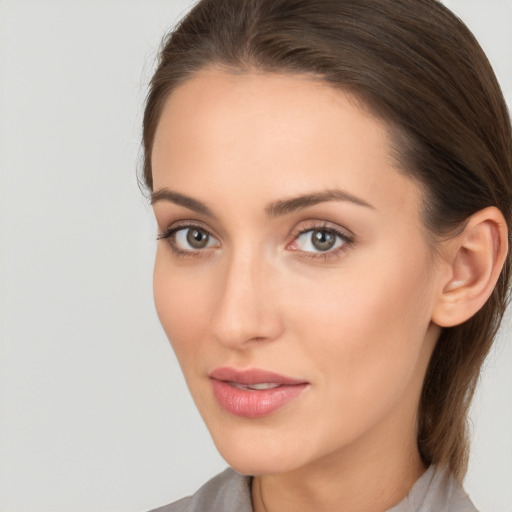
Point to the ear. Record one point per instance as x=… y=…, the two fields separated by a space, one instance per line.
x=474 y=259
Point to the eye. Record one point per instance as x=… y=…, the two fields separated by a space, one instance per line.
x=320 y=240
x=194 y=238
x=188 y=239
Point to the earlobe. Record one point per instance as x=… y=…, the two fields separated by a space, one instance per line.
x=475 y=259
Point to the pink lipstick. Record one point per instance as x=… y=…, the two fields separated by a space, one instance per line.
x=253 y=393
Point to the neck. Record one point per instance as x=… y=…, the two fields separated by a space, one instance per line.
x=370 y=476
x=370 y=489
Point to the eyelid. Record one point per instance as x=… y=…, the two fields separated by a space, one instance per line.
x=345 y=234
x=183 y=224
x=319 y=225
x=170 y=231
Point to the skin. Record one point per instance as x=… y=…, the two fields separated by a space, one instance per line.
x=355 y=323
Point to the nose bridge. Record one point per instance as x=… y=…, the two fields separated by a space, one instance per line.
x=245 y=306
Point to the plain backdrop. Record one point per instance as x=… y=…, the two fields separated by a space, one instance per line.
x=94 y=413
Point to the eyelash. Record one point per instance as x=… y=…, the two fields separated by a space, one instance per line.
x=169 y=233
x=348 y=241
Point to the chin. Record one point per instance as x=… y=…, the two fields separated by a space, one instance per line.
x=259 y=451
x=258 y=462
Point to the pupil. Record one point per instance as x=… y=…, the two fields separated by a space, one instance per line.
x=197 y=238
x=323 y=240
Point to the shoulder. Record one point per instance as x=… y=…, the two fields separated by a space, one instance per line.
x=177 y=506
x=436 y=491
x=229 y=491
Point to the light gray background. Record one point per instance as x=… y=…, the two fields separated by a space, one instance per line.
x=95 y=415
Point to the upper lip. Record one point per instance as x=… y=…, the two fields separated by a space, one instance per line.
x=252 y=376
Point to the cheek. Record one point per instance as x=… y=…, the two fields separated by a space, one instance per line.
x=365 y=326
x=181 y=304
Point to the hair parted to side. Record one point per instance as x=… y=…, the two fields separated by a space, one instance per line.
x=414 y=64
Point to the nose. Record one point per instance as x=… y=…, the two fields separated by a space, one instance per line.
x=246 y=306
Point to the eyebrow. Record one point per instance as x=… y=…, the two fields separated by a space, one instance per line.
x=275 y=209
x=299 y=203
x=165 y=194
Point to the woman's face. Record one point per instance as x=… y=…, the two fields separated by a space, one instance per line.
x=293 y=275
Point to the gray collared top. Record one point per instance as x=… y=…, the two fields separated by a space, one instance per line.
x=231 y=492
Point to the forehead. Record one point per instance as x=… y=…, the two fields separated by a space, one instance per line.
x=279 y=132
x=264 y=106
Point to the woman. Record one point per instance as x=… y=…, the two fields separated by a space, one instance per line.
x=332 y=184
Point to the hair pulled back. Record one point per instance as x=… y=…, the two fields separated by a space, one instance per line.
x=414 y=64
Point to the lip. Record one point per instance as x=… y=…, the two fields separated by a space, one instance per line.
x=250 y=403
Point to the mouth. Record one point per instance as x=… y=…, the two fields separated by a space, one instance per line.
x=254 y=393
x=255 y=387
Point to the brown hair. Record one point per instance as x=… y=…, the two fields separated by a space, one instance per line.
x=417 y=66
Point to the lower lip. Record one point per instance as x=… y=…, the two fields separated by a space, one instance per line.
x=254 y=403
